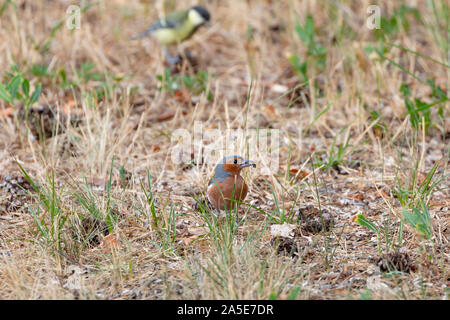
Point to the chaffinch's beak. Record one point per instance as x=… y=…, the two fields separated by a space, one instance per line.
x=208 y=24
x=247 y=163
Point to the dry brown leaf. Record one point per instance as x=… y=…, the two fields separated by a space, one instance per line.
x=382 y=194
x=270 y=112
x=356 y=196
x=8 y=112
x=69 y=106
x=182 y=95
x=166 y=116
x=300 y=174
x=378 y=132
x=109 y=243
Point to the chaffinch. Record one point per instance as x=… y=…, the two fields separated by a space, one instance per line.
x=227 y=184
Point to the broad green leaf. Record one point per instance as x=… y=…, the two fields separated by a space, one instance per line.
x=36 y=94
x=366 y=223
x=4 y=94
x=14 y=85
x=419 y=220
x=26 y=87
x=62 y=74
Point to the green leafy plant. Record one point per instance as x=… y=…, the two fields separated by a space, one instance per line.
x=399 y=20
x=85 y=73
x=316 y=54
x=380 y=231
x=335 y=157
x=39 y=70
x=18 y=89
x=420 y=220
x=417 y=109
x=103 y=86
x=62 y=79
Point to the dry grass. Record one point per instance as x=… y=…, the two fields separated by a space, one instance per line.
x=159 y=247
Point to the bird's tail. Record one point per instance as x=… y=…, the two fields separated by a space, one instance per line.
x=141 y=35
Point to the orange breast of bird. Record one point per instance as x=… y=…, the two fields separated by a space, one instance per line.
x=232 y=188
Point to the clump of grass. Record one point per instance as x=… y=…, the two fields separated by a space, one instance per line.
x=238 y=265
x=165 y=228
x=411 y=192
x=89 y=202
x=56 y=225
x=233 y=253
x=222 y=232
x=335 y=155
x=48 y=215
x=222 y=275
x=281 y=214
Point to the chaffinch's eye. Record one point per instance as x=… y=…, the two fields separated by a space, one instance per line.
x=235 y=161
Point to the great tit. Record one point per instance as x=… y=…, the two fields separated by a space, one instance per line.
x=176 y=27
